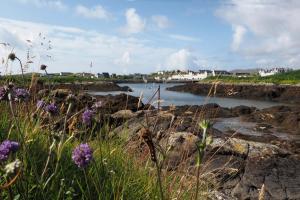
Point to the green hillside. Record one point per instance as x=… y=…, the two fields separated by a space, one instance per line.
x=292 y=77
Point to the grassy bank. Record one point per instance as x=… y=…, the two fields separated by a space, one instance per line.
x=292 y=77
x=111 y=175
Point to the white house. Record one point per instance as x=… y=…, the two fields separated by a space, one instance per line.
x=189 y=76
x=273 y=71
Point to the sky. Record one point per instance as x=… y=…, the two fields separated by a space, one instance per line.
x=144 y=36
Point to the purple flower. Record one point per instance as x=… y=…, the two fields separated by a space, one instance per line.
x=82 y=155
x=87 y=116
x=40 y=104
x=21 y=94
x=3 y=93
x=6 y=148
x=52 y=109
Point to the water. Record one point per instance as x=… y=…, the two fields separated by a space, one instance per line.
x=179 y=98
x=236 y=125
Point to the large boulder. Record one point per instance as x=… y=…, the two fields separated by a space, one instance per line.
x=242 y=167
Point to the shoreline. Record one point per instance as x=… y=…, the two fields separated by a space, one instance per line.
x=267 y=92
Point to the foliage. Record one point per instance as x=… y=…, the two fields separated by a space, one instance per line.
x=292 y=77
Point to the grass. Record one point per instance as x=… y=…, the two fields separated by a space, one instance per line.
x=292 y=77
x=114 y=173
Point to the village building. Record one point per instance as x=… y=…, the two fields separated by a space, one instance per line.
x=273 y=71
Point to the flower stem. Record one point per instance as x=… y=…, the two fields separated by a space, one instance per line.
x=159 y=180
x=201 y=149
x=86 y=182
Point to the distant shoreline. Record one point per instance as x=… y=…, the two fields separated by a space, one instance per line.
x=268 y=92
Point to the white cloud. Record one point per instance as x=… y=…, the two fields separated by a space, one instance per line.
x=161 y=21
x=272 y=25
x=239 y=32
x=182 y=59
x=56 y=4
x=134 y=23
x=183 y=38
x=96 y=12
x=74 y=49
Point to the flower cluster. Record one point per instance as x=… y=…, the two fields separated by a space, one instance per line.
x=82 y=155
x=87 y=116
x=18 y=94
x=21 y=94
x=52 y=109
x=6 y=148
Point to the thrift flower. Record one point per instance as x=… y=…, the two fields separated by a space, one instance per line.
x=52 y=109
x=82 y=155
x=6 y=148
x=87 y=116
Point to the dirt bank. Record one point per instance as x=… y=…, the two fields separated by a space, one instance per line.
x=280 y=93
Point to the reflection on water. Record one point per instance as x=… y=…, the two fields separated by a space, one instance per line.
x=178 y=98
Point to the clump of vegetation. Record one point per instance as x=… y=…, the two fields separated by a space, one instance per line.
x=58 y=150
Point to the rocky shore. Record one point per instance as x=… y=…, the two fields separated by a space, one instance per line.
x=251 y=148
x=280 y=93
x=239 y=163
x=100 y=86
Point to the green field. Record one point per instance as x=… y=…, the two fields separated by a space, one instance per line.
x=292 y=77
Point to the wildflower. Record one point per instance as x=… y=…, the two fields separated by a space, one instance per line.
x=21 y=94
x=82 y=155
x=3 y=93
x=12 y=56
x=52 y=109
x=205 y=124
x=10 y=168
x=71 y=98
x=6 y=148
x=87 y=116
x=43 y=67
x=40 y=104
x=98 y=104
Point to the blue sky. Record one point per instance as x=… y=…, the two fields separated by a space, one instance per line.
x=127 y=36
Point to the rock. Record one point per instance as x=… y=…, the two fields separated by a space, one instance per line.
x=286 y=118
x=124 y=115
x=243 y=166
x=112 y=104
x=242 y=110
x=180 y=146
x=280 y=175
